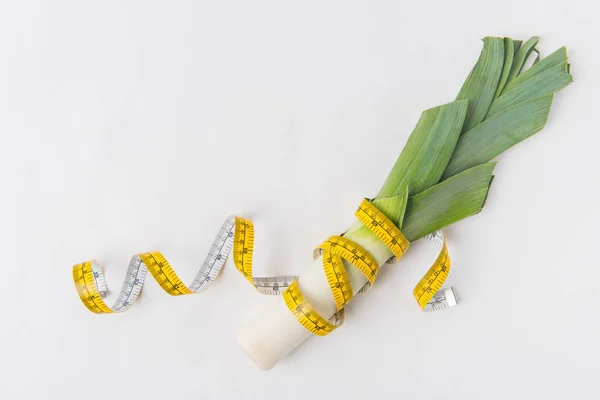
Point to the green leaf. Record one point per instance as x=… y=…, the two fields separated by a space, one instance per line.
x=393 y=207
x=482 y=82
x=491 y=124
x=521 y=56
x=498 y=133
x=538 y=57
x=428 y=150
x=447 y=202
x=509 y=53
x=544 y=82
x=517 y=44
x=559 y=57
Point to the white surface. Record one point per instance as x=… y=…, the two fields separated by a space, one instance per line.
x=132 y=126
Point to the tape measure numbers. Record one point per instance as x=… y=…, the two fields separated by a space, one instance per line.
x=237 y=235
x=304 y=313
x=433 y=280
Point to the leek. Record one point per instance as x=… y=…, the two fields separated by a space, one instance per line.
x=442 y=175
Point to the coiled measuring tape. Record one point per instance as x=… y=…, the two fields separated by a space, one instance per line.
x=237 y=235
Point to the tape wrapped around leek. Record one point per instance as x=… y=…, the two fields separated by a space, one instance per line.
x=442 y=175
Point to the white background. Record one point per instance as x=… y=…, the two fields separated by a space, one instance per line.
x=129 y=126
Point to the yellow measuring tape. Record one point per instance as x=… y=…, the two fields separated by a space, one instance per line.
x=237 y=235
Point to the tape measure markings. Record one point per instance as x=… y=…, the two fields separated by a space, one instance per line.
x=271 y=285
x=338 y=279
x=304 y=312
x=243 y=246
x=99 y=279
x=443 y=299
x=214 y=260
x=433 y=279
x=84 y=278
x=389 y=234
x=353 y=253
x=334 y=251
x=132 y=286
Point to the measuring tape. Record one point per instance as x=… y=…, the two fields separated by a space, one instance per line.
x=237 y=235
